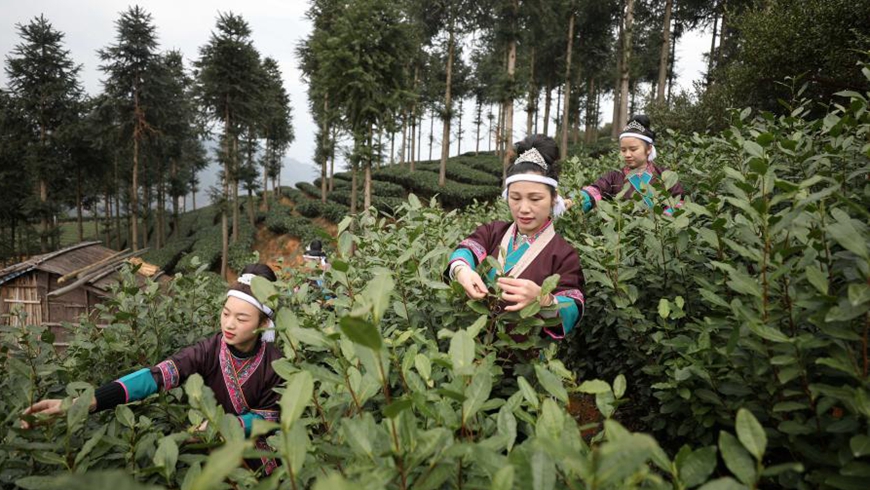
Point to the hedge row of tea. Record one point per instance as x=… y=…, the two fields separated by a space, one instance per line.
x=735 y=332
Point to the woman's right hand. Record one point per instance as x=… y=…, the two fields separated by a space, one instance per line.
x=471 y=282
x=49 y=406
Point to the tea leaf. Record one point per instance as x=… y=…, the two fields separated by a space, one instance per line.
x=462 y=353
x=736 y=458
x=219 y=465
x=551 y=383
x=361 y=332
x=297 y=396
x=751 y=433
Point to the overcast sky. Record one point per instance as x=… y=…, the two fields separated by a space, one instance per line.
x=278 y=26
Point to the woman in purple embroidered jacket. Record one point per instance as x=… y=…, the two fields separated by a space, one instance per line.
x=236 y=363
x=534 y=250
x=637 y=147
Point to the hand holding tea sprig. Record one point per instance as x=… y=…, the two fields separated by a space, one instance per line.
x=471 y=281
x=522 y=293
x=49 y=407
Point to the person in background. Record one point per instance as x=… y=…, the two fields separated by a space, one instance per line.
x=637 y=148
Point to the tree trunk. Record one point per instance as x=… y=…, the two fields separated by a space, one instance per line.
x=431 y=134
x=459 y=129
x=251 y=215
x=392 y=147
x=420 y=136
x=118 y=205
x=479 y=122
x=267 y=153
x=665 y=53
x=161 y=209
x=404 y=138
x=548 y=99
x=509 y=104
x=225 y=242
x=626 y=60
x=134 y=202
x=591 y=115
x=108 y=229
x=235 y=189
x=673 y=58
x=332 y=159
x=367 y=184
x=95 y=215
x=614 y=126
x=79 y=224
x=491 y=118
x=533 y=93
x=324 y=135
x=563 y=147
x=173 y=173
x=448 y=113
x=712 y=55
x=379 y=148
x=722 y=32
x=43 y=199
x=414 y=126
x=146 y=214
x=499 y=129
x=353 y=181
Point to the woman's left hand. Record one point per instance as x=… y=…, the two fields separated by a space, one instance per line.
x=521 y=292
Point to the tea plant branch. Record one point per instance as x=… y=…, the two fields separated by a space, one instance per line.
x=321 y=412
x=352 y=392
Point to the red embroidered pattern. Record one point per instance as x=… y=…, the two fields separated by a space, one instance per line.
x=234 y=379
x=476 y=248
x=269 y=415
x=169 y=371
x=235 y=376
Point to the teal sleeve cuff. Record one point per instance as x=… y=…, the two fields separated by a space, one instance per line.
x=138 y=385
x=247 y=421
x=569 y=314
x=463 y=254
x=587 y=201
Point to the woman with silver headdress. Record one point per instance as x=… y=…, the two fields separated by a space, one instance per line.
x=637 y=148
x=236 y=363
x=528 y=249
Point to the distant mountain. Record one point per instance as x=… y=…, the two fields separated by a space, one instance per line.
x=292 y=172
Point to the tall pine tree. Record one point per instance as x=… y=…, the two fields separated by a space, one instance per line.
x=43 y=81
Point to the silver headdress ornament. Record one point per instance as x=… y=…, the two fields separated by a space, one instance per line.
x=634 y=125
x=533 y=156
x=245 y=279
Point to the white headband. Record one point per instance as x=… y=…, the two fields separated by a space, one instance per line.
x=653 y=153
x=541 y=179
x=319 y=258
x=269 y=334
x=558 y=205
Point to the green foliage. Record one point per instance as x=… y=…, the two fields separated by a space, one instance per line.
x=425 y=184
x=750 y=297
x=739 y=324
x=313 y=208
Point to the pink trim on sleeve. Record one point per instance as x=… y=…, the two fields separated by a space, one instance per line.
x=126 y=391
x=593 y=192
x=476 y=248
x=554 y=334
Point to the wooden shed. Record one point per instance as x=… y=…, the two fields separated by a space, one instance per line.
x=61 y=286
